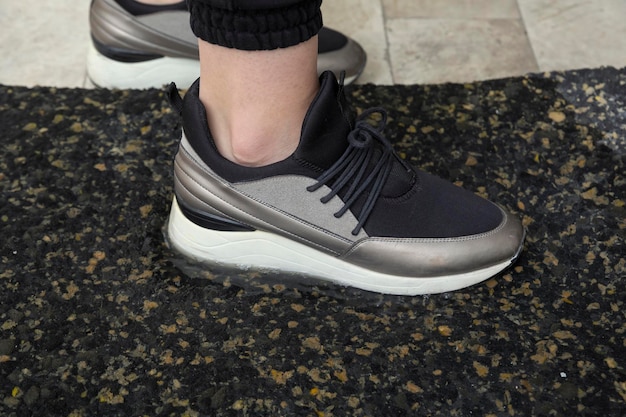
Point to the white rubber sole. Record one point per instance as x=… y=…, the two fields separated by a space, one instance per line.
x=267 y=251
x=109 y=73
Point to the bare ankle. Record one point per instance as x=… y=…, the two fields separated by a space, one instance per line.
x=252 y=154
x=255 y=139
x=256 y=101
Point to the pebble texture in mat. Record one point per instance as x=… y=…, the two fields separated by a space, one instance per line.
x=96 y=317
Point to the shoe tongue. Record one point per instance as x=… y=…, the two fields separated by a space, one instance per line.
x=326 y=126
x=325 y=131
x=401 y=179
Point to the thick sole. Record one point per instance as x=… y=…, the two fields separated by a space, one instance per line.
x=108 y=73
x=267 y=251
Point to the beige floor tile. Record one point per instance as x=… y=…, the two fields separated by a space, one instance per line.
x=568 y=34
x=362 y=20
x=43 y=42
x=456 y=50
x=452 y=9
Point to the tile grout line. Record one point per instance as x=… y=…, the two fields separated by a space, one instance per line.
x=528 y=41
x=385 y=31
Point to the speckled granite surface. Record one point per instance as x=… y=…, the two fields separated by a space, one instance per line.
x=96 y=319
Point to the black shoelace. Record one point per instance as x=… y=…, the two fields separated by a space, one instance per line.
x=354 y=163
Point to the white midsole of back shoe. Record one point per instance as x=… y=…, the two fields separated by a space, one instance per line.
x=268 y=251
x=109 y=73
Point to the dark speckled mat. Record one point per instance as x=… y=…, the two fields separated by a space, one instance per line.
x=97 y=319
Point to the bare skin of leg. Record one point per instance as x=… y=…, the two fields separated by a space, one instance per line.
x=256 y=101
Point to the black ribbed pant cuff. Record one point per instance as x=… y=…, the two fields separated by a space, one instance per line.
x=255 y=24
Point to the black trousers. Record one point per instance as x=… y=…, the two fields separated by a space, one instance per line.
x=255 y=24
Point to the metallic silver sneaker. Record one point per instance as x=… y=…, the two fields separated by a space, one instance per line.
x=343 y=207
x=136 y=45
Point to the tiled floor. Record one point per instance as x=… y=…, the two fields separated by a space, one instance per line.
x=408 y=41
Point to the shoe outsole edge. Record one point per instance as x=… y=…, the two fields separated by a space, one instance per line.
x=261 y=250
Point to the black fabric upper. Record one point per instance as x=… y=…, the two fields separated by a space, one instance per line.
x=412 y=203
x=330 y=40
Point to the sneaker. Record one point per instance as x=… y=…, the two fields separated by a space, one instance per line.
x=343 y=207
x=135 y=45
